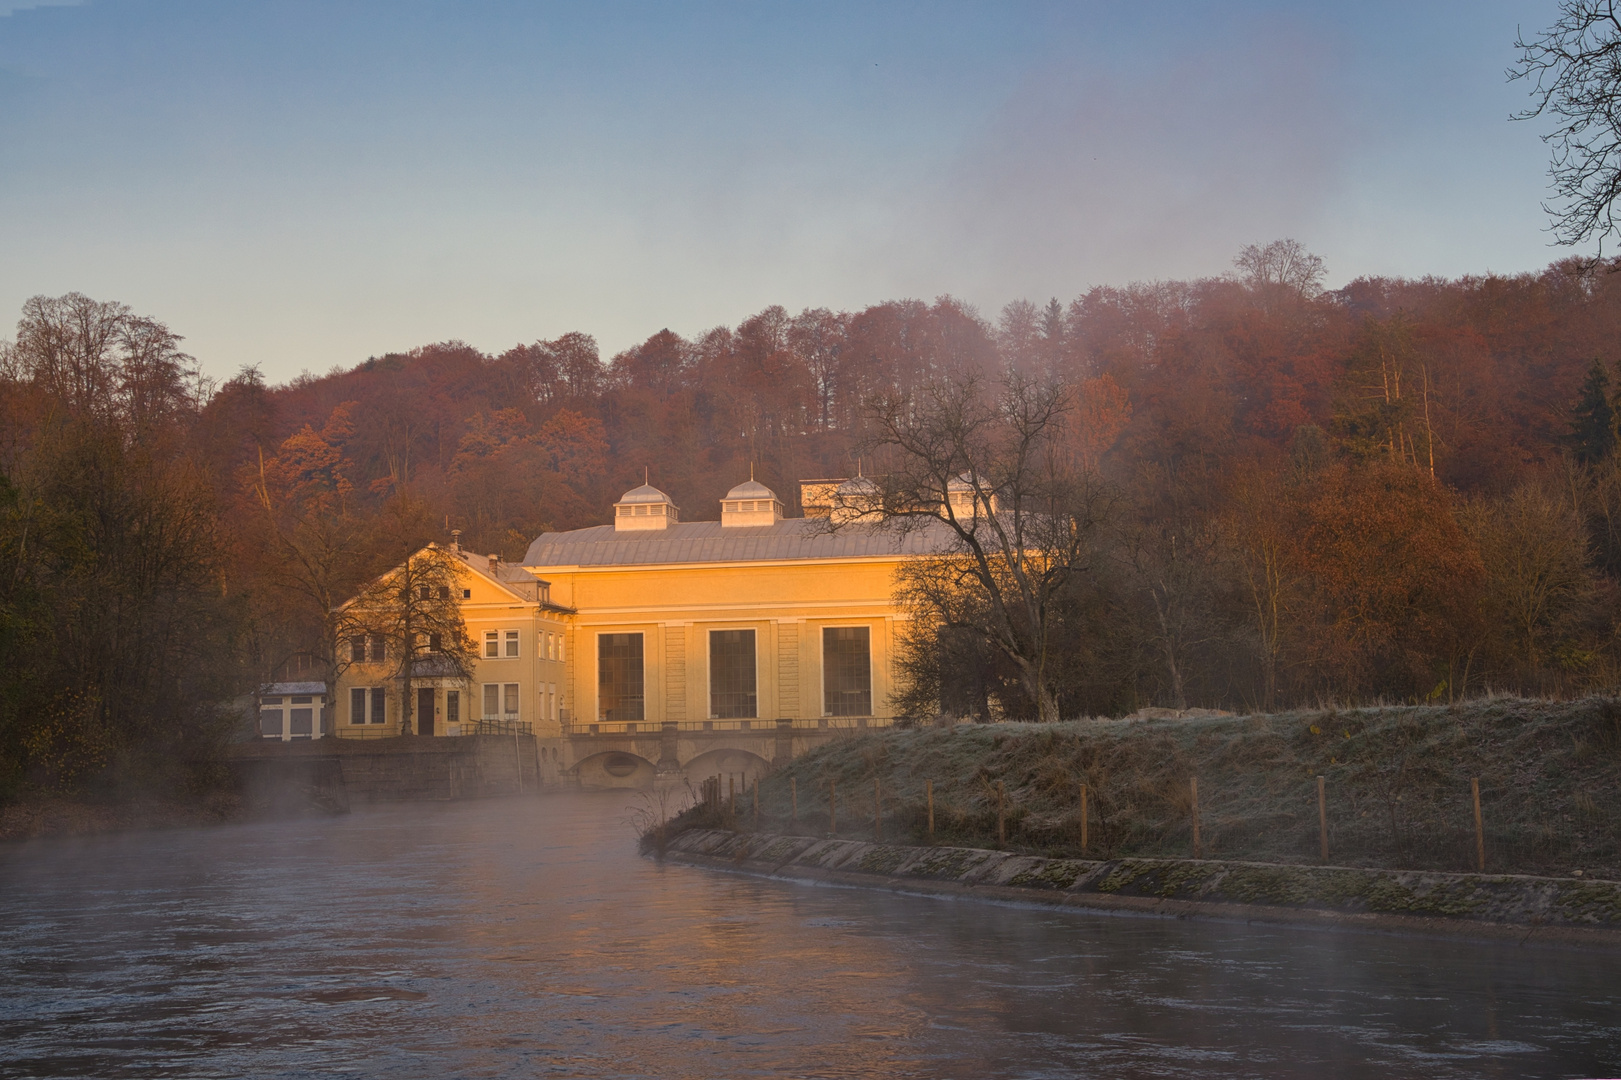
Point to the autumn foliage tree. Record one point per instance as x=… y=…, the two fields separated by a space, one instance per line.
x=1394 y=489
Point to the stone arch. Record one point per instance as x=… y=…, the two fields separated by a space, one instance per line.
x=724 y=762
x=615 y=769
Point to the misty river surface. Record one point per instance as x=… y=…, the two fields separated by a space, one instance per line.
x=525 y=937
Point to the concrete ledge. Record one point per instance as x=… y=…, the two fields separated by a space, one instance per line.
x=1521 y=908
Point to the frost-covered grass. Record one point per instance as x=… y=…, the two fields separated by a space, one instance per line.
x=1397 y=785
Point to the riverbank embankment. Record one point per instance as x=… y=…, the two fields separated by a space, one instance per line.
x=1397 y=788
x=43 y=815
x=1502 y=906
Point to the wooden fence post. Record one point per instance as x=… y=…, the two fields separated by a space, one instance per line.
x=832 y=811
x=928 y=793
x=1001 y=814
x=877 y=811
x=1322 y=818
x=756 y=802
x=731 y=794
x=793 y=799
x=1083 y=819
x=1480 y=831
x=1193 y=787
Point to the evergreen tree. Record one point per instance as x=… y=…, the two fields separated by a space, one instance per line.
x=1592 y=425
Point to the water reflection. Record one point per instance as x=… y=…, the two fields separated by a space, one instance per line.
x=525 y=938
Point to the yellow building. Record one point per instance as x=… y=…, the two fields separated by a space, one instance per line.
x=620 y=628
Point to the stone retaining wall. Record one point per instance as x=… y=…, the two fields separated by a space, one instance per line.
x=407 y=768
x=1571 y=910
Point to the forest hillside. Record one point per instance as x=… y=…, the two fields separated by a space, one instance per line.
x=1399 y=491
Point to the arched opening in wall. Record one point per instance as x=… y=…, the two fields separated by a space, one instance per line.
x=621 y=765
x=615 y=769
x=739 y=765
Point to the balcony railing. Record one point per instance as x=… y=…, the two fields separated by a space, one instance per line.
x=763 y=727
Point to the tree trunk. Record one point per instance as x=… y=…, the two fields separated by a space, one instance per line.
x=1048 y=704
x=1041 y=695
x=1168 y=645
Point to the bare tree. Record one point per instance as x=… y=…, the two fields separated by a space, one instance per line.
x=415 y=609
x=102 y=363
x=313 y=549
x=1281 y=264
x=983 y=470
x=1574 y=68
x=1170 y=557
x=1536 y=554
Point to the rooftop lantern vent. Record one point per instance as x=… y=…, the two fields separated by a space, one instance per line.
x=967 y=498
x=857 y=499
x=644 y=508
x=750 y=504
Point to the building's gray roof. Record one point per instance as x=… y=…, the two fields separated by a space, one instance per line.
x=509 y=574
x=706 y=541
x=290 y=689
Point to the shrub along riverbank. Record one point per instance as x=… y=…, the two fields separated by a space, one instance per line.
x=1397 y=785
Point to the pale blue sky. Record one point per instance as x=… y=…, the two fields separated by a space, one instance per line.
x=299 y=185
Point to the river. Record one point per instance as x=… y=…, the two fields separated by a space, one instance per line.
x=526 y=938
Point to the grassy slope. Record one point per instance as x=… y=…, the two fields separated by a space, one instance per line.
x=1398 y=785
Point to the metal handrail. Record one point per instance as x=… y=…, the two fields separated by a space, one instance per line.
x=498 y=727
x=464 y=728
x=763 y=727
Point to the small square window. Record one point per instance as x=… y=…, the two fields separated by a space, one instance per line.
x=467 y=594
x=444 y=592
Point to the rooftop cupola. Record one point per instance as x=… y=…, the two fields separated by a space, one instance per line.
x=643 y=508
x=965 y=501
x=750 y=503
x=857 y=499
